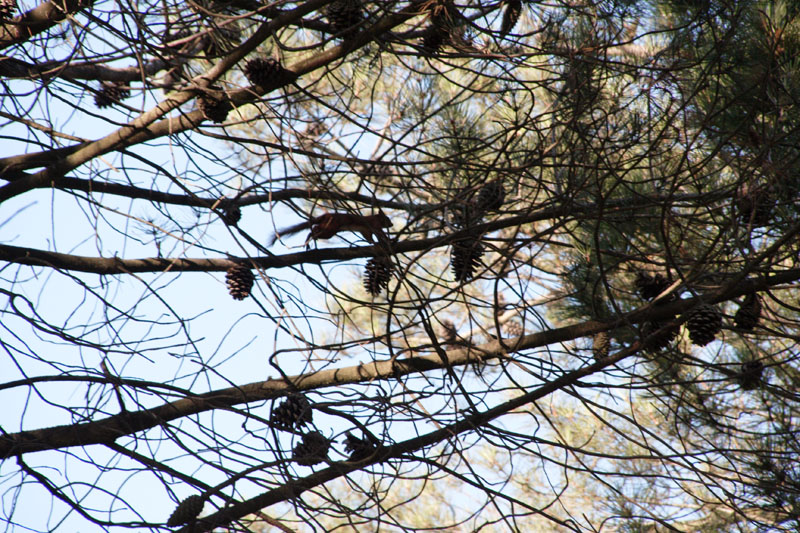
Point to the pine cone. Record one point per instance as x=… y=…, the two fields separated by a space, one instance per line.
x=359 y=449
x=263 y=70
x=749 y=313
x=490 y=197
x=704 y=323
x=446 y=18
x=433 y=40
x=240 y=281
x=601 y=344
x=662 y=340
x=510 y=17
x=214 y=108
x=465 y=214
x=312 y=449
x=295 y=411
x=465 y=258
x=750 y=376
x=231 y=213
x=343 y=15
x=7 y=8
x=186 y=511
x=446 y=27
x=754 y=203
x=110 y=93
x=377 y=274
x=650 y=286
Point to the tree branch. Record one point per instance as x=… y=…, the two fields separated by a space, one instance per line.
x=108 y=430
x=145 y=128
x=41 y=18
x=293 y=489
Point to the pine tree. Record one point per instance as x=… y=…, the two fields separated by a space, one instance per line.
x=583 y=301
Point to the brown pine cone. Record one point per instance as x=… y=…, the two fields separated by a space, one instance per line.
x=601 y=345
x=465 y=258
x=313 y=449
x=295 y=411
x=703 y=324
x=111 y=93
x=660 y=341
x=377 y=274
x=240 y=281
x=748 y=315
x=214 y=108
x=510 y=17
x=186 y=511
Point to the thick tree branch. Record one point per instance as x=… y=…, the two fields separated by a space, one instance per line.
x=144 y=127
x=108 y=430
x=15 y=68
x=42 y=17
x=293 y=489
x=116 y=265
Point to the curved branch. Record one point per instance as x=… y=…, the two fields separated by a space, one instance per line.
x=108 y=430
x=39 y=19
x=293 y=489
x=145 y=128
x=116 y=265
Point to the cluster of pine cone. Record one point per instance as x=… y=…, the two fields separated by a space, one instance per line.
x=702 y=323
x=466 y=252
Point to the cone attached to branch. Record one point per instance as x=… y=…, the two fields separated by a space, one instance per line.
x=748 y=315
x=187 y=511
x=220 y=40
x=446 y=27
x=313 y=449
x=295 y=411
x=110 y=93
x=750 y=376
x=240 y=281
x=465 y=258
x=703 y=324
x=263 y=71
x=755 y=204
x=231 y=213
x=377 y=274
x=433 y=40
x=465 y=214
x=650 y=285
x=491 y=197
x=510 y=17
x=344 y=15
x=657 y=339
x=214 y=108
